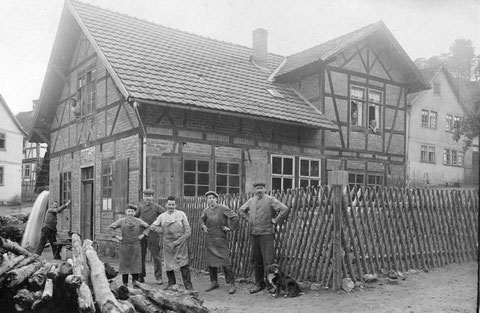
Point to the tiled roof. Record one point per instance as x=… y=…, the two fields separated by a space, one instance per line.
x=327 y=49
x=25 y=119
x=166 y=65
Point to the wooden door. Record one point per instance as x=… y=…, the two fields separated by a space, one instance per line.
x=87 y=215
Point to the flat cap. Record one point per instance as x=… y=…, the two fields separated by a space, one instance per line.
x=148 y=192
x=131 y=206
x=259 y=183
x=211 y=192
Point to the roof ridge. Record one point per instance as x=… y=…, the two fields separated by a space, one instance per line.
x=336 y=38
x=167 y=27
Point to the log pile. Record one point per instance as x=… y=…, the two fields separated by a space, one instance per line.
x=82 y=284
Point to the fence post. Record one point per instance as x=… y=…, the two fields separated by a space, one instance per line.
x=337 y=179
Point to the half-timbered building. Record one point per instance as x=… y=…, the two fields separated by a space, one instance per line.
x=127 y=104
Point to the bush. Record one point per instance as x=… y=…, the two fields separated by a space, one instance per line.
x=12 y=228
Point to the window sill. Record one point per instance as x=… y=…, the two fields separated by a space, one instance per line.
x=427 y=162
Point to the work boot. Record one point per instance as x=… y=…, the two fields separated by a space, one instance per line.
x=187 y=281
x=213 y=285
x=232 y=289
x=171 y=279
x=257 y=288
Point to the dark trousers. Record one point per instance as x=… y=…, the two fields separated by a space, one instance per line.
x=262 y=255
x=187 y=280
x=227 y=270
x=152 y=242
x=125 y=278
x=51 y=236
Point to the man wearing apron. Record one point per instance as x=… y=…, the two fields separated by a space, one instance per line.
x=132 y=231
x=216 y=221
x=175 y=228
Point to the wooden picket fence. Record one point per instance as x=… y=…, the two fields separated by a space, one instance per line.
x=379 y=229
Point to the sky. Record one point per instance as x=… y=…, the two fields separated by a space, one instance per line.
x=423 y=28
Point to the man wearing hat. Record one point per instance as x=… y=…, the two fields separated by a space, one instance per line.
x=262 y=212
x=148 y=211
x=216 y=220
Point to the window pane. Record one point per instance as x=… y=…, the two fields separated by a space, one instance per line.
x=222 y=190
x=203 y=179
x=203 y=166
x=276 y=165
x=303 y=183
x=357 y=93
x=276 y=183
x=359 y=179
x=222 y=167
x=234 y=168
x=222 y=180
x=234 y=190
x=189 y=165
x=375 y=96
x=202 y=190
x=287 y=183
x=189 y=190
x=304 y=170
x=351 y=178
x=234 y=181
x=189 y=178
x=287 y=166
x=315 y=168
x=314 y=182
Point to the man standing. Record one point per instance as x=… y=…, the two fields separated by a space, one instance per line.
x=148 y=211
x=175 y=228
x=216 y=221
x=49 y=229
x=262 y=213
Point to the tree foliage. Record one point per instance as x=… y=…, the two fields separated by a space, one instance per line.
x=469 y=127
x=459 y=60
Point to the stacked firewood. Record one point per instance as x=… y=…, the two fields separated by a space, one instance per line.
x=81 y=284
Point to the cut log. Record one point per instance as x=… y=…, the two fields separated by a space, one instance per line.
x=24 y=299
x=48 y=290
x=27 y=260
x=144 y=305
x=120 y=292
x=13 y=247
x=81 y=270
x=126 y=306
x=65 y=269
x=104 y=297
x=8 y=265
x=17 y=276
x=171 y=300
x=53 y=272
x=73 y=281
x=110 y=271
x=37 y=280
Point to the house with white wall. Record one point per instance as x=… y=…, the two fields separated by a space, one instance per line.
x=11 y=153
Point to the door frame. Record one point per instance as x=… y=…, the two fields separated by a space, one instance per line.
x=83 y=183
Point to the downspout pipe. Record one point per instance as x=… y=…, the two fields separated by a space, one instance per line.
x=144 y=146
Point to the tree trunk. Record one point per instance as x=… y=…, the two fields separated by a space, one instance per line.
x=27 y=260
x=48 y=290
x=171 y=300
x=104 y=297
x=24 y=299
x=38 y=278
x=13 y=247
x=80 y=269
x=8 y=265
x=17 y=276
x=144 y=305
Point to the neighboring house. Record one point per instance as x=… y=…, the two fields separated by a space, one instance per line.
x=33 y=154
x=127 y=104
x=434 y=157
x=11 y=139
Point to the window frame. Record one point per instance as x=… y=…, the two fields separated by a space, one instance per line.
x=109 y=189
x=309 y=178
x=3 y=139
x=26 y=167
x=427 y=154
x=196 y=172
x=428 y=118
x=65 y=187
x=449 y=123
x=364 y=106
x=282 y=176
x=2 y=176
x=360 y=103
x=87 y=90
x=354 y=182
x=229 y=176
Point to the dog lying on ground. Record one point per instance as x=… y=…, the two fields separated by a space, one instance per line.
x=281 y=282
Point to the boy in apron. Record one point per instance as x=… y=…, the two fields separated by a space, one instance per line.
x=175 y=228
x=133 y=230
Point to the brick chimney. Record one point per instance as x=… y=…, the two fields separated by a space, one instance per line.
x=260 y=47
